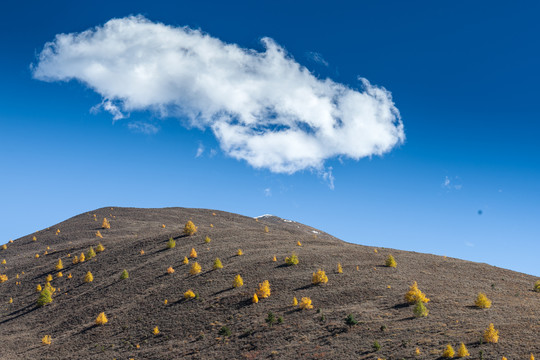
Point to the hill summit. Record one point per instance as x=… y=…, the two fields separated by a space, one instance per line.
x=282 y=290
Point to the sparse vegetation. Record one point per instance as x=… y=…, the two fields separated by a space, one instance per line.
x=46 y=340
x=98 y=234
x=170 y=270
x=105 y=224
x=255 y=299
x=414 y=294
x=491 y=335
x=350 y=320
x=270 y=319
x=305 y=304
x=225 y=331
x=376 y=346
x=45 y=297
x=82 y=258
x=88 y=277
x=190 y=228
x=171 y=244
x=238 y=281
x=264 y=289
x=91 y=253
x=124 y=275
x=482 y=301
x=448 y=352
x=390 y=261
x=59 y=265
x=319 y=277
x=195 y=268
x=462 y=351
x=266 y=229
x=537 y=286
x=217 y=264
x=291 y=260
x=185 y=261
x=155 y=331
x=193 y=254
x=239 y=252
x=100 y=248
x=102 y=319
x=339 y=269
x=207 y=239
x=420 y=310
x=294 y=301
x=189 y=294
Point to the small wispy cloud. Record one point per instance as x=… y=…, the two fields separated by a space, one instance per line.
x=452 y=184
x=316 y=57
x=263 y=107
x=142 y=127
x=267 y=192
x=469 y=244
x=328 y=177
x=200 y=150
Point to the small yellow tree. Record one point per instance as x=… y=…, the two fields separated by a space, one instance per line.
x=4 y=262
x=298 y=243
x=75 y=260
x=420 y=310
x=91 y=253
x=49 y=278
x=88 y=277
x=537 y=286
x=185 y=261
x=448 y=352
x=294 y=301
x=193 y=253
x=4 y=247
x=38 y=288
x=105 y=224
x=266 y=229
x=274 y=259
x=217 y=264
x=207 y=239
x=292 y=260
x=238 y=281
x=82 y=258
x=190 y=228
x=189 y=294
x=414 y=294
x=45 y=297
x=239 y=252
x=59 y=274
x=170 y=270
x=264 y=289
x=34 y=238
x=491 y=335
x=255 y=299
x=390 y=261
x=532 y=357
x=305 y=304
x=155 y=331
x=319 y=277
x=100 y=248
x=462 y=351
x=482 y=301
x=195 y=268
x=98 y=234
x=59 y=265
x=124 y=275
x=171 y=244
x=46 y=340
x=339 y=268
x=102 y=319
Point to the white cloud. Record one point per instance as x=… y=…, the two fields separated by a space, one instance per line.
x=317 y=57
x=200 y=150
x=267 y=192
x=452 y=184
x=263 y=107
x=143 y=127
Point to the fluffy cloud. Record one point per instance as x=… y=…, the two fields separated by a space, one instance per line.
x=263 y=107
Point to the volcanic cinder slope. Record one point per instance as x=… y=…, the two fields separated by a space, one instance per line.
x=190 y=329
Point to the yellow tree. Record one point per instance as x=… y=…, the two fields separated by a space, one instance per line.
x=190 y=228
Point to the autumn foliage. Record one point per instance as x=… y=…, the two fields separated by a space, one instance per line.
x=319 y=277
x=414 y=294
x=190 y=228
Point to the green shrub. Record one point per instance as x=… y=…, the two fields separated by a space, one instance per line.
x=45 y=297
x=124 y=275
x=350 y=320
x=270 y=319
x=225 y=331
x=420 y=310
x=171 y=243
x=292 y=260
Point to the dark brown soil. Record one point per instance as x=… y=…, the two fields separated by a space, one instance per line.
x=373 y=294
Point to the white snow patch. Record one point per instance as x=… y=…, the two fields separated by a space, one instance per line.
x=263 y=216
x=315 y=232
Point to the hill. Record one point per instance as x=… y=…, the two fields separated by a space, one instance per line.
x=222 y=322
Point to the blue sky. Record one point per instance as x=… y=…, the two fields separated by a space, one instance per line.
x=463 y=76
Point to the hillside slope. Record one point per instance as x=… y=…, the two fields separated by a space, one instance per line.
x=190 y=329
